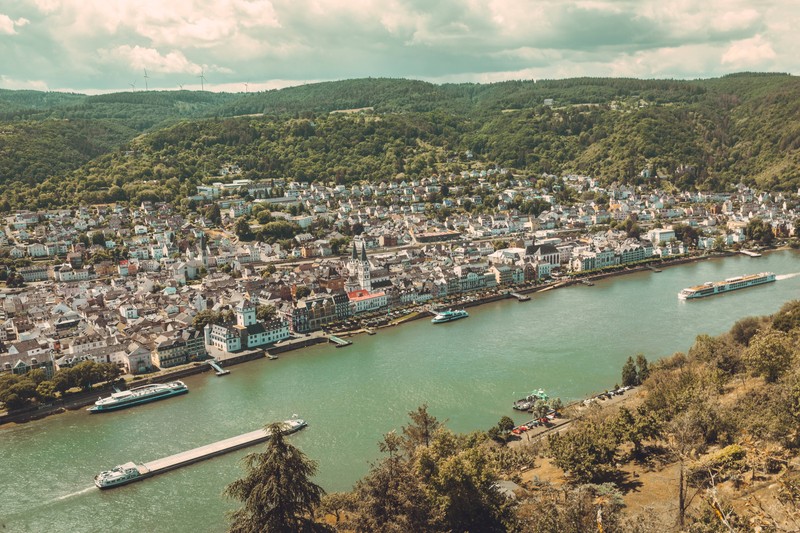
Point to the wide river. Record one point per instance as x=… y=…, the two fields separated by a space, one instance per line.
x=571 y=342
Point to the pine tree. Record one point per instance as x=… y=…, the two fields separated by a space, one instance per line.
x=629 y=375
x=277 y=492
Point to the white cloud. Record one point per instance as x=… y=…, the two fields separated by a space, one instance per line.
x=103 y=42
x=8 y=26
x=10 y=83
x=748 y=53
x=140 y=58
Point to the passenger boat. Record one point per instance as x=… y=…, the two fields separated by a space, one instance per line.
x=731 y=284
x=139 y=395
x=449 y=315
x=119 y=475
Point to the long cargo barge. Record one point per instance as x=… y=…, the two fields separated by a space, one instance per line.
x=131 y=472
x=731 y=284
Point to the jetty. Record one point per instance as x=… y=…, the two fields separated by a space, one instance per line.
x=340 y=343
x=587 y=283
x=218 y=369
x=749 y=253
x=160 y=466
x=654 y=269
x=520 y=297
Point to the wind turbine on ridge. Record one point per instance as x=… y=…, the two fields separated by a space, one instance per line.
x=202 y=80
x=146 y=77
x=133 y=85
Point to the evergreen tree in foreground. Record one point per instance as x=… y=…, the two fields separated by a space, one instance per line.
x=277 y=492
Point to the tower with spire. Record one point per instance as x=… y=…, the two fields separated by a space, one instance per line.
x=359 y=267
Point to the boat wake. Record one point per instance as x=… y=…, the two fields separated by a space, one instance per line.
x=84 y=491
x=787 y=276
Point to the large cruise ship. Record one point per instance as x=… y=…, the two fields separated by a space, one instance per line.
x=138 y=395
x=447 y=316
x=731 y=284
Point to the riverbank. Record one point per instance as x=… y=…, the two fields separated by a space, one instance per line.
x=226 y=360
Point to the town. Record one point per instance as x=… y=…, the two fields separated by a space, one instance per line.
x=245 y=265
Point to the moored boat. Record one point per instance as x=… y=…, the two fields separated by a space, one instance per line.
x=449 y=315
x=119 y=475
x=731 y=284
x=523 y=404
x=139 y=395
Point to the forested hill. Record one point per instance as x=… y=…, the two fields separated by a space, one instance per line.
x=58 y=148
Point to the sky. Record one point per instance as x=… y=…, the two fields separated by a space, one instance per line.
x=94 y=46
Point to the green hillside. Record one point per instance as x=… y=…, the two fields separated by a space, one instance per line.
x=703 y=134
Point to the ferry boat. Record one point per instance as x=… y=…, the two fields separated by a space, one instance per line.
x=449 y=315
x=138 y=395
x=119 y=475
x=523 y=404
x=731 y=284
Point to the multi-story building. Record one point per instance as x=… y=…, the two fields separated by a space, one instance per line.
x=247 y=333
x=179 y=349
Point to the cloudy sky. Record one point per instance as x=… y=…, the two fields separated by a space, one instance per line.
x=106 y=45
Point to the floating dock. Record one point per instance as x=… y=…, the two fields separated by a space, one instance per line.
x=520 y=297
x=654 y=269
x=160 y=466
x=218 y=369
x=340 y=343
x=748 y=253
x=587 y=283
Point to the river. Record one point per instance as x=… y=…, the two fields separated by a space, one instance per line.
x=571 y=342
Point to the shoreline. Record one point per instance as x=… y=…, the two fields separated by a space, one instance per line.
x=80 y=400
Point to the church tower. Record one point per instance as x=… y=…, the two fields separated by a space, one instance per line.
x=363 y=269
x=245 y=314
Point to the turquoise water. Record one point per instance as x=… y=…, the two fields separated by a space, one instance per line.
x=571 y=342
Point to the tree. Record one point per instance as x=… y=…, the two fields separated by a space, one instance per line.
x=769 y=354
x=206 y=317
x=336 y=503
x=213 y=213
x=301 y=292
x=242 y=229
x=759 y=231
x=423 y=426
x=277 y=492
x=265 y=312
x=746 y=328
x=629 y=375
x=540 y=409
x=390 y=497
x=642 y=369
x=683 y=437
x=506 y=424
x=788 y=317
x=587 y=452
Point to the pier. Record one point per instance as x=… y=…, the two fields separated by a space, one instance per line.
x=218 y=369
x=160 y=466
x=654 y=269
x=340 y=343
x=748 y=253
x=519 y=297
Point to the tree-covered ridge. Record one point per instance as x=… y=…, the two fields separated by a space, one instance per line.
x=703 y=134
